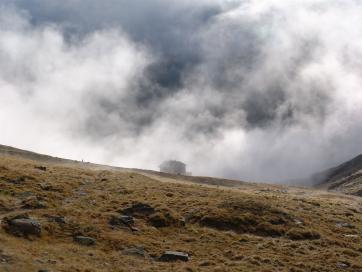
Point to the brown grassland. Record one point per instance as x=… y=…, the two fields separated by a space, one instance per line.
x=251 y=227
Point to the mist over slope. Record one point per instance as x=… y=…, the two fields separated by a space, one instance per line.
x=257 y=90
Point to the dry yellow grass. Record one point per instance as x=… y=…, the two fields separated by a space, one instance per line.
x=250 y=228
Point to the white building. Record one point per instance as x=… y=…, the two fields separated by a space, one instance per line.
x=173 y=167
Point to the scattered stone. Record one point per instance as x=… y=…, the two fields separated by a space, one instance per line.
x=237 y=258
x=22 y=225
x=134 y=229
x=55 y=218
x=183 y=221
x=18 y=180
x=5 y=258
x=298 y=222
x=135 y=251
x=206 y=263
x=138 y=209
x=265 y=190
x=25 y=194
x=81 y=194
x=358 y=193
x=45 y=186
x=49 y=187
x=344 y=225
x=351 y=236
x=342 y=265
x=85 y=241
x=172 y=256
x=121 y=221
x=33 y=203
x=41 y=168
x=5 y=207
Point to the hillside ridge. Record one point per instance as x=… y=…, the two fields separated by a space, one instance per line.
x=69 y=217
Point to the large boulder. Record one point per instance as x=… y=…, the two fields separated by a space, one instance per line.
x=22 y=225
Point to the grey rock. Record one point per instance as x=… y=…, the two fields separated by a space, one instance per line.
x=41 y=168
x=25 y=194
x=358 y=193
x=134 y=229
x=121 y=220
x=55 y=218
x=18 y=180
x=85 y=241
x=5 y=258
x=344 y=225
x=342 y=265
x=135 y=251
x=81 y=193
x=22 y=226
x=172 y=256
x=33 y=203
x=351 y=235
x=49 y=187
x=183 y=221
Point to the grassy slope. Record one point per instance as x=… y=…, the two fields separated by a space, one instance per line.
x=249 y=228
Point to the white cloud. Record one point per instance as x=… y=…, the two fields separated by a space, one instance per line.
x=269 y=90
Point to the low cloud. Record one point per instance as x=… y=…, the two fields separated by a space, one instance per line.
x=256 y=90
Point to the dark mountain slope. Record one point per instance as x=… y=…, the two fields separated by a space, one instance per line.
x=346 y=177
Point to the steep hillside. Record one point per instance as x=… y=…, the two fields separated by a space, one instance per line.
x=11 y=151
x=346 y=178
x=57 y=217
x=41 y=158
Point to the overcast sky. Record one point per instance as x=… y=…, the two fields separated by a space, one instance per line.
x=262 y=90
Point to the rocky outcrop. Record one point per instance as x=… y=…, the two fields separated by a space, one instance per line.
x=157 y=218
x=138 y=210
